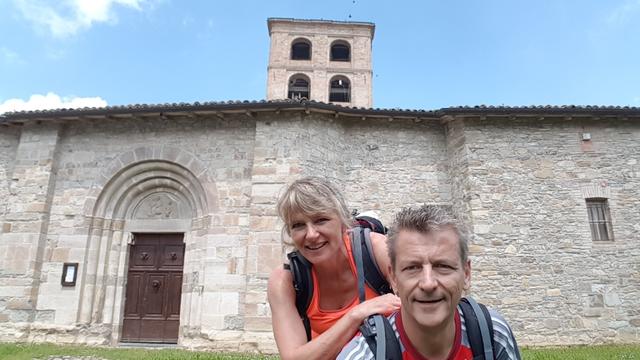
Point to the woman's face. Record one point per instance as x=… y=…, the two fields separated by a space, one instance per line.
x=317 y=236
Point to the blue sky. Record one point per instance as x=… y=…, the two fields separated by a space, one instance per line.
x=426 y=54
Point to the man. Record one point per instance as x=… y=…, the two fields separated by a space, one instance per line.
x=430 y=270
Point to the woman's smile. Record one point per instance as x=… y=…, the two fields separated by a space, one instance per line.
x=314 y=247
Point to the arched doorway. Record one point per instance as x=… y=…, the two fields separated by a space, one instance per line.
x=148 y=207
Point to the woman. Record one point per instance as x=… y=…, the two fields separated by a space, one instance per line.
x=316 y=218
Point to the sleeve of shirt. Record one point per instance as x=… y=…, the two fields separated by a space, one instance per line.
x=356 y=349
x=506 y=347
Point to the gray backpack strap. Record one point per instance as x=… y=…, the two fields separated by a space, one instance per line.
x=381 y=351
x=356 y=249
x=369 y=246
x=484 y=328
x=381 y=338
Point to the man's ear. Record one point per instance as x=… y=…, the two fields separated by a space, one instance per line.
x=467 y=275
x=392 y=279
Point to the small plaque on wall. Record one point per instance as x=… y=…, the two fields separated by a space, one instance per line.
x=69 y=274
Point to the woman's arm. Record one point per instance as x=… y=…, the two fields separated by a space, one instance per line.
x=289 y=332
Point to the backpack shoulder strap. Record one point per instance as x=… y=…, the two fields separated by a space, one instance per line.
x=356 y=249
x=381 y=338
x=372 y=274
x=303 y=285
x=487 y=316
x=479 y=328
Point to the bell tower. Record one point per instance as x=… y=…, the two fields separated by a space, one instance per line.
x=322 y=60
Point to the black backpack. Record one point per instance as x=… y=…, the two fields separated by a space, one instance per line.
x=372 y=223
x=366 y=268
x=382 y=340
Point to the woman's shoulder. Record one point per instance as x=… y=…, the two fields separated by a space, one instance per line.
x=376 y=237
x=280 y=278
x=280 y=291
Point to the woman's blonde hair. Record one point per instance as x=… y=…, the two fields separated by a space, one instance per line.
x=312 y=195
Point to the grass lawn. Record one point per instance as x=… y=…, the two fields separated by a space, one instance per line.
x=603 y=352
x=44 y=351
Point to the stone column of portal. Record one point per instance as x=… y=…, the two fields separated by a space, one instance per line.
x=27 y=219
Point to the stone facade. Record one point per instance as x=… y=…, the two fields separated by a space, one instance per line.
x=319 y=69
x=78 y=186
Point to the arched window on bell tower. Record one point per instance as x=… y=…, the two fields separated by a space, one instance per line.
x=339 y=89
x=301 y=49
x=340 y=51
x=298 y=87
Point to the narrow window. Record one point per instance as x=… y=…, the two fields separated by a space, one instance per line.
x=599 y=219
x=340 y=51
x=298 y=87
x=340 y=90
x=301 y=50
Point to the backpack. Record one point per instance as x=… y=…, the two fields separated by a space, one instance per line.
x=367 y=271
x=381 y=338
x=372 y=223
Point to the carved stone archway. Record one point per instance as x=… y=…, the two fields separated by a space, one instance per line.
x=151 y=189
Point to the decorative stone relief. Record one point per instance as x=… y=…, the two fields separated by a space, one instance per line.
x=160 y=206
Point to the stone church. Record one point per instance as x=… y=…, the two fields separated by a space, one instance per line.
x=157 y=223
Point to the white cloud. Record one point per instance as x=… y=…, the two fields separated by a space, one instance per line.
x=624 y=13
x=50 y=101
x=9 y=56
x=67 y=17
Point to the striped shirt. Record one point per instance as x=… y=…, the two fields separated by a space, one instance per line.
x=505 y=348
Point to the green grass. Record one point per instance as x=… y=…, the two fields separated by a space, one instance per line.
x=43 y=351
x=601 y=352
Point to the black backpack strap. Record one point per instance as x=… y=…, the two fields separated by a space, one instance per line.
x=479 y=328
x=372 y=274
x=303 y=285
x=379 y=335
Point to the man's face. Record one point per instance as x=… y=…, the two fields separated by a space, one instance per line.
x=429 y=277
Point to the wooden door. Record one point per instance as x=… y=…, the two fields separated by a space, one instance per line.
x=154 y=286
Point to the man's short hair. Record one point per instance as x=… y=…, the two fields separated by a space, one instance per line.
x=426 y=219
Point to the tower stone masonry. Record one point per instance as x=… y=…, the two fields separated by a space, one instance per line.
x=326 y=42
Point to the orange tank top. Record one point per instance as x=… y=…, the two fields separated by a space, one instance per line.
x=321 y=320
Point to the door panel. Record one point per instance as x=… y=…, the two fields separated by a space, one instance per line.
x=154 y=288
x=154 y=294
x=144 y=257
x=173 y=257
x=173 y=302
x=134 y=283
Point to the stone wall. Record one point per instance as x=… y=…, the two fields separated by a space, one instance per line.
x=9 y=138
x=395 y=164
x=519 y=184
x=533 y=256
